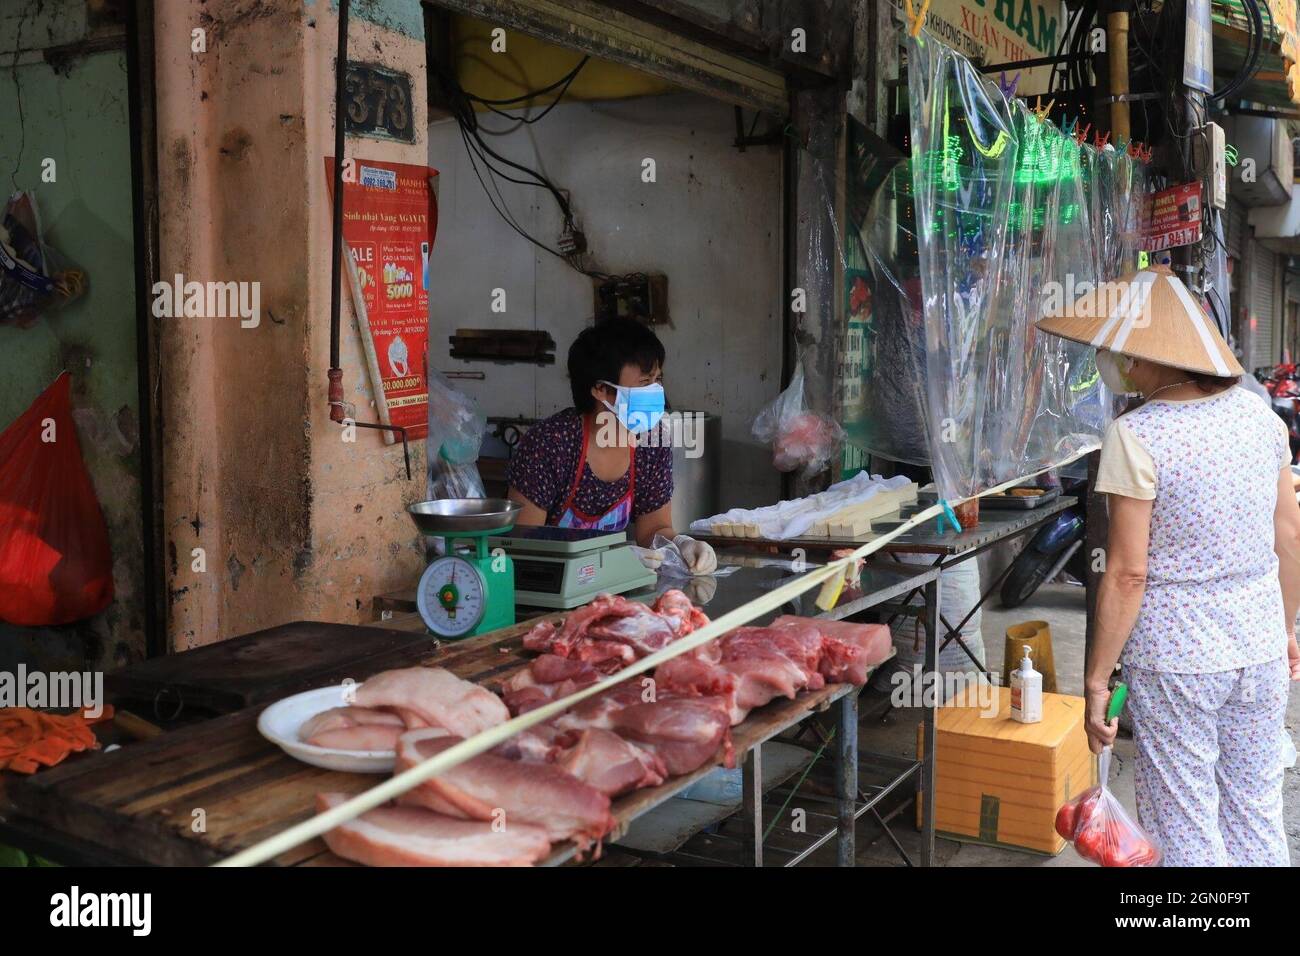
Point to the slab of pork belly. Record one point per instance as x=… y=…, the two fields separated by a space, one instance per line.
x=489 y=786
x=411 y=836
x=434 y=697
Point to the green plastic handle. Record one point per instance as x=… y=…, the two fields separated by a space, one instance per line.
x=1117 y=698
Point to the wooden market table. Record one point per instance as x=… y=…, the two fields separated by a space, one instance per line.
x=197 y=794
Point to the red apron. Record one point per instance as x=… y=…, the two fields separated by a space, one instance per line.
x=617 y=517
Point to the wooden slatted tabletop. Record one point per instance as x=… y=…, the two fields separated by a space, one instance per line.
x=199 y=794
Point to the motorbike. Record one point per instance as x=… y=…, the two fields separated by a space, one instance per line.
x=1057 y=546
x=1282 y=382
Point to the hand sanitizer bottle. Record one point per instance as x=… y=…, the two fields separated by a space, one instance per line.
x=1026 y=692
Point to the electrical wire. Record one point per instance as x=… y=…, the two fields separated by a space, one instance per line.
x=563 y=81
x=1255 y=48
x=483 y=158
x=563 y=84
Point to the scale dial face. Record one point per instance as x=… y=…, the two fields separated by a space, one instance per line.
x=452 y=596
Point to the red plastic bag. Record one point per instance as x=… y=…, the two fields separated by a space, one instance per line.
x=55 y=563
x=1102 y=831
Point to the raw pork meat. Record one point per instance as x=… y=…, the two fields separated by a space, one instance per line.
x=612 y=631
x=537 y=744
x=599 y=711
x=353 y=728
x=411 y=836
x=604 y=760
x=798 y=643
x=684 y=732
x=547 y=678
x=850 y=650
x=678 y=609
x=747 y=668
x=636 y=626
x=433 y=697
x=486 y=786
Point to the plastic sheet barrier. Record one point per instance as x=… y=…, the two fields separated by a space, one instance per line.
x=949 y=257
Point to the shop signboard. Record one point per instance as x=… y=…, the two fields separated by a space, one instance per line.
x=1002 y=31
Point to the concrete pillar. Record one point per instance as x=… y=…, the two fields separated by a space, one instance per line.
x=292 y=521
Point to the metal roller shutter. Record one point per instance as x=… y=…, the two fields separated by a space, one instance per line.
x=1263 y=268
x=1235 y=228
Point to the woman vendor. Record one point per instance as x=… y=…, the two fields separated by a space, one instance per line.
x=603 y=464
x=1202 y=577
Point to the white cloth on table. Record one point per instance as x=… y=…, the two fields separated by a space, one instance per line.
x=793 y=518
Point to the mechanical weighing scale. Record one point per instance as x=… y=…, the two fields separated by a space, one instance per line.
x=472 y=588
x=466 y=590
x=566 y=567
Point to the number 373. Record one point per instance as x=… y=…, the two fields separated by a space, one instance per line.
x=373 y=98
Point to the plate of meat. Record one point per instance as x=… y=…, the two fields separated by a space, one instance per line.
x=355 y=726
x=325 y=728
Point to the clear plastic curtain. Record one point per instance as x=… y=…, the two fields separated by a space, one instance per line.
x=1008 y=211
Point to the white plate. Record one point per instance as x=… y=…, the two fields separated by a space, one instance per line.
x=280 y=723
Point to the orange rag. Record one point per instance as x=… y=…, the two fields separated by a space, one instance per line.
x=30 y=739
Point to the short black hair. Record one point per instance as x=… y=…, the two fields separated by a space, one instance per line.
x=599 y=353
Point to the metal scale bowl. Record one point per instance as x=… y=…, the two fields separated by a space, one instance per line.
x=470 y=590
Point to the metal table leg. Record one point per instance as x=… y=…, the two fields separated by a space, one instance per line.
x=752 y=805
x=929 y=702
x=846 y=780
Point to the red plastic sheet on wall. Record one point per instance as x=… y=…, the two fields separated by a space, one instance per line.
x=55 y=563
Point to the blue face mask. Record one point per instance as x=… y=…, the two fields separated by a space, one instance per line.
x=638 y=408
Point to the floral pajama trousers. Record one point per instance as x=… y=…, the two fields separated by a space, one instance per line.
x=1209 y=763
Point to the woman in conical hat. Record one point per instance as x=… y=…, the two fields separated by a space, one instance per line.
x=1202 y=574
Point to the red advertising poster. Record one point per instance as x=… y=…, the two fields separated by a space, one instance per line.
x=390 y=218
x=1173 y=218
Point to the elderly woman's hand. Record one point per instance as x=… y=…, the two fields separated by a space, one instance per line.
x=1293 y=655
x=1100 y=733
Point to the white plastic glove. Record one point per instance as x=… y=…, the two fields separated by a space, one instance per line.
x=698 y=556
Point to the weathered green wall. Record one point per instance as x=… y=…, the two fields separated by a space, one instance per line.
x=79 y=119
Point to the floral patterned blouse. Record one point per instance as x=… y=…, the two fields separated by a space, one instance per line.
x=545 y=463
x=1213 y=601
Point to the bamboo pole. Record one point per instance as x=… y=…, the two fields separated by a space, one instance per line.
x=1117 y=62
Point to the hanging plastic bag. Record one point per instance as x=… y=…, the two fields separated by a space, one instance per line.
x=34 y=277
x=55 y=562
x=1101 y=830
x=456 y=427
x=800 y=438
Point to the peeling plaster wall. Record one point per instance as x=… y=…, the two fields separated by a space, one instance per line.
x=78 y=118
x=293 y=522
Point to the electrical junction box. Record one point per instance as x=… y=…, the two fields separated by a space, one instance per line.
x=639 y=295
x=1214 y=164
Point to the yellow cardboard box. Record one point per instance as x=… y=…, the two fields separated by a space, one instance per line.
x=1000 y=782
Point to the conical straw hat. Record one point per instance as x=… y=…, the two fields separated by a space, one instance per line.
x=1150 y=315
